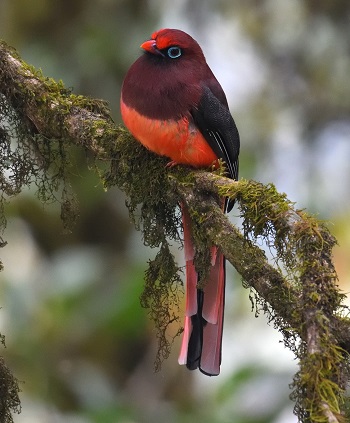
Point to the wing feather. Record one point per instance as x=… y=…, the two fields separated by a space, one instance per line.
x=213 y=118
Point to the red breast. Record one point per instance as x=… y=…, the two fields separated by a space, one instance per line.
x=178 y=139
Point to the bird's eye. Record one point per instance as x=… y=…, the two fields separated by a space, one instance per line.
x=174 y=52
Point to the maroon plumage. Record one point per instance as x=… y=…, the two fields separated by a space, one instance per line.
x=173 y=104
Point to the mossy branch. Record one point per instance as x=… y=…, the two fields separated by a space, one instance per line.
x=297 y=289
x=302 y=300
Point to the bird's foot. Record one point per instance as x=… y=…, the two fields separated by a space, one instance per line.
x=172 y=164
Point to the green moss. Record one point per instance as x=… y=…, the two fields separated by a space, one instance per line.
x=40 y=123
x=153 y=207
x=161 y=296
x=303 y=249
x=41 y=150
x=309 y=297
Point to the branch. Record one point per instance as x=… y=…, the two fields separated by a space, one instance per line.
x=298 y=289
x=273 y=213
x=52 y=109
x=304 y=299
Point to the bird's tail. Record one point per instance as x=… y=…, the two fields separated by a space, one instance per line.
x=202 y=336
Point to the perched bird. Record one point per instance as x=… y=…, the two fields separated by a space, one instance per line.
x=173 y=104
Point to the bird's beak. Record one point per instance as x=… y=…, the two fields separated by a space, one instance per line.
x=151 y=47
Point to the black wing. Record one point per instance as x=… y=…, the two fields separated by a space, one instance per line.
x=214 y=120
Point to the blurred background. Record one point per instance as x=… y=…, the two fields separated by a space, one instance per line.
x=77 y=339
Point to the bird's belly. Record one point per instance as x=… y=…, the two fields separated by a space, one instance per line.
x=179 y=140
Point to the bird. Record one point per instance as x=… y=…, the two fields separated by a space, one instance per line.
x=172 y=103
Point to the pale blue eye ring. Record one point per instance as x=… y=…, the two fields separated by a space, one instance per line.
x=174 y=52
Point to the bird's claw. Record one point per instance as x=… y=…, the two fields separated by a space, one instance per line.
x=171 y=164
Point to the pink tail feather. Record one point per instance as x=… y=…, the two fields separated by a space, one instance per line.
x=202 y=336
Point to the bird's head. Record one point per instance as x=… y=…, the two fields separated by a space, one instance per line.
x=166 y=81
x=172 y=44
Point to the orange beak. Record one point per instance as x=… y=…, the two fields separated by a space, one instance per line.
x=151 y=47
